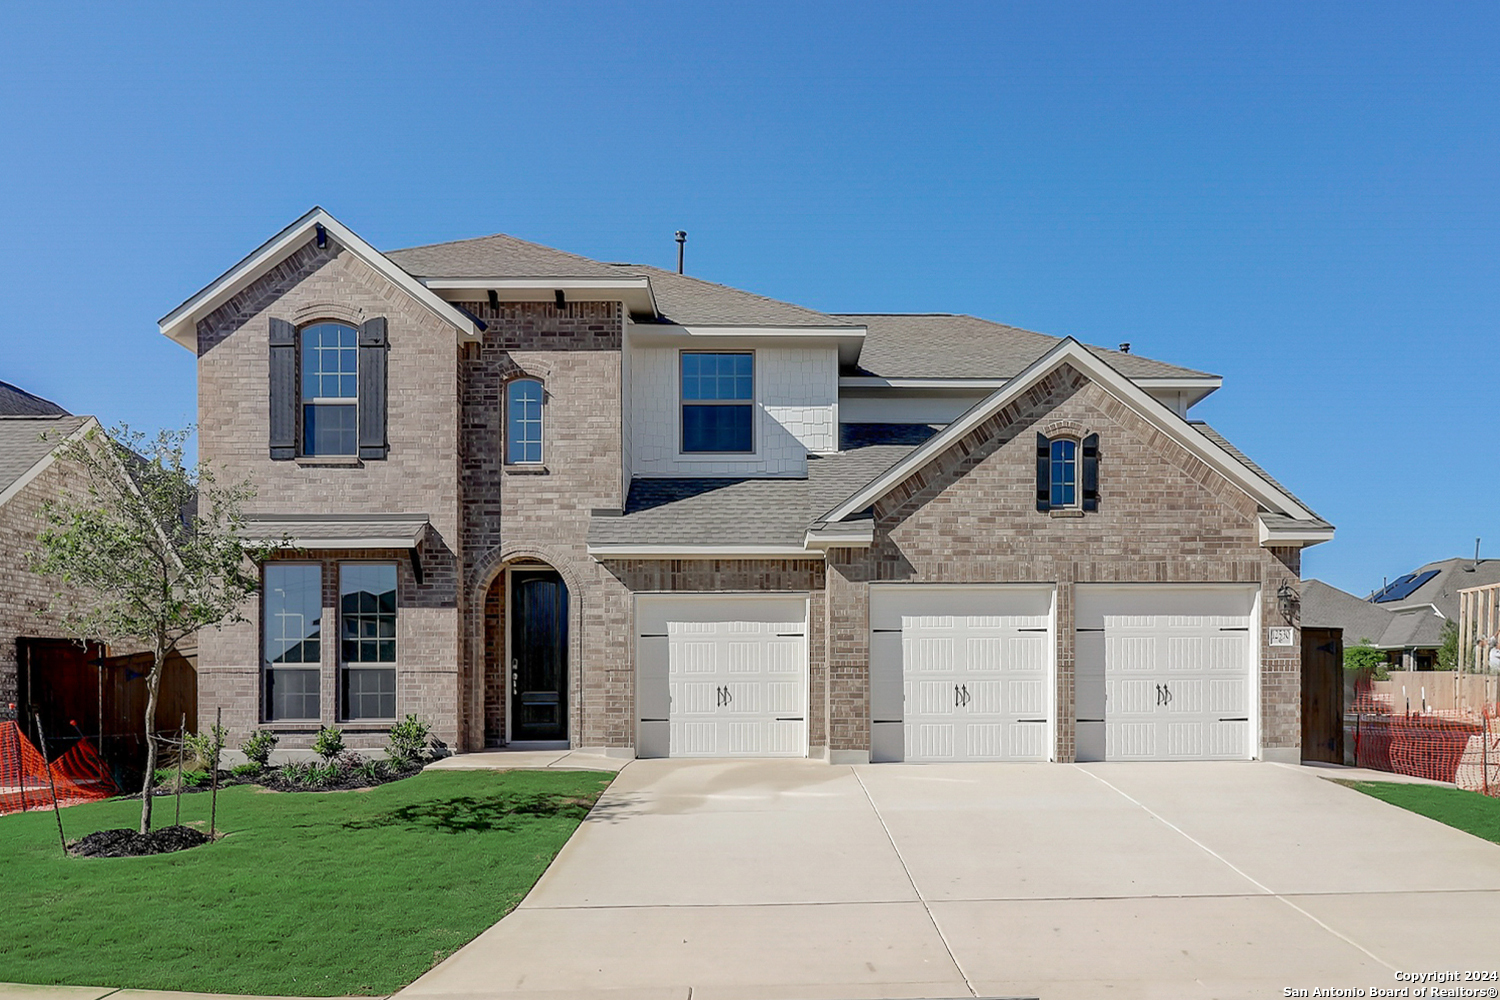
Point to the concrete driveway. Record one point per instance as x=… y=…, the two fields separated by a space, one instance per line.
x=768 y=879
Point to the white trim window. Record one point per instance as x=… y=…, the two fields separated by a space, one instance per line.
x=1064 y=473
x=718 y=402
x=330 y=389
x=291 y=639
x=523 y=421
x=367 y=640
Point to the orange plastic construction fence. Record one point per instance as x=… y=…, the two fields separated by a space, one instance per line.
x=1462 y=749
x=78 y=775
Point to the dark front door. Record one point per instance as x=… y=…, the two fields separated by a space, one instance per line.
x=539 y=655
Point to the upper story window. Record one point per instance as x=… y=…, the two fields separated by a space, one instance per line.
x=523 y=422
x=1067 y=473
x=1064 y=473
x=291 y=645
x=718 y=402
x=330 y=389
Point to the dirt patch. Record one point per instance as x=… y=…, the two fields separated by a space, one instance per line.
x=130 y=844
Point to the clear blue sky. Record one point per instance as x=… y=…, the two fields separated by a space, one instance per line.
x=1302 y=198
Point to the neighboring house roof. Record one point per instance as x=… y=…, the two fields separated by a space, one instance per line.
x=26 y=447
x=946 y=345
x=1325 y=606
x=748 y=513
x=17 y=402
x=1451 y=576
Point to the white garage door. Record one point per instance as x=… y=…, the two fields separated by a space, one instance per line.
x=1165 y=673
x=961 y=673
x=722 y=676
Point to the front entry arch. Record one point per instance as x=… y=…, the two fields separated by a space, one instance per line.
x=527 y=655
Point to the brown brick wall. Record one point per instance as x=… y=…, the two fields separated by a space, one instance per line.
x=420 y=475
x=969 y=516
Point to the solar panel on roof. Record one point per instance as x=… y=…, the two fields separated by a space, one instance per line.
x=1383 y=594
x=1403 y=587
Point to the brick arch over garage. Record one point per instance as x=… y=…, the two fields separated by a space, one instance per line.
x=488 y=573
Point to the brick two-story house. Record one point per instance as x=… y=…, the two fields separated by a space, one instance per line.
x=541 y=499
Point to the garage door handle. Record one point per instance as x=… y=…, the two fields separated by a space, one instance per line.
x=1158 y=695
x=719 y=695
x=966 y=695
x=1168 y=692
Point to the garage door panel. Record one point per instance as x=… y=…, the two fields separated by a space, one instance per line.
x=736 y=673
x=967 y=676
x=1177 y=661
x=930 y=741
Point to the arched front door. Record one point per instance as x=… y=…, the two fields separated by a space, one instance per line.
x=538 y=655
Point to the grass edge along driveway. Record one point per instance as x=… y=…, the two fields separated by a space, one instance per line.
x=310 y=894
x=1470 y=812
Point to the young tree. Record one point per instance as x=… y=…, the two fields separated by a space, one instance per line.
x=1447 y=654
x=147 y=549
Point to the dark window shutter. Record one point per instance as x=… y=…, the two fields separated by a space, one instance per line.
x=1091 y=472
x=372 y=352
x=282 y=390
x=1043 y=473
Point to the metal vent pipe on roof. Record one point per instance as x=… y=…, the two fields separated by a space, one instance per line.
x=681 y=239
x=1125 y=347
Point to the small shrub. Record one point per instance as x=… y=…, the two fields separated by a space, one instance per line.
x=330 y=744
x=408 y=741
x=258 y=746
x=247 y=770
x=207 y=747
x=327 y=774
x=294 y=773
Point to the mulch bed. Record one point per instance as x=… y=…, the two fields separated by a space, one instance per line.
x=130 y=844
x=346 y=781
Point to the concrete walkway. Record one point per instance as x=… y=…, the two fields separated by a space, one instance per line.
x=529 y=760
x=759 y=879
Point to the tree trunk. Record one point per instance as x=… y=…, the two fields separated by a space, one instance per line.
x=153 y=685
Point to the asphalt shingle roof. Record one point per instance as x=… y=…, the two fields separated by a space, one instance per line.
x=1324 y=606
x=943 y=345
x=743 y=511
x=17 y=402
x=1227 y=445
x=1442 y=590
x=694 y=302
x=22 y=444
x=497 y=256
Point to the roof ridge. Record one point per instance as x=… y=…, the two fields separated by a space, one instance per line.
x=492 y=236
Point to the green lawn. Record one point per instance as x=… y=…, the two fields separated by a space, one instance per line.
x=312 y=894
x=1467 y=811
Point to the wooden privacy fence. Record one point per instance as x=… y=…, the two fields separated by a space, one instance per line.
x=1437 y=691
x=1479 y=631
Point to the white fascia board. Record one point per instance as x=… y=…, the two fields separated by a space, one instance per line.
x=631 y=551
x=849 y=340
x=91 y=424
x=1099 y=371
x=860 y=535
x=1301 y=537
x=634 y=291
x=181 y=323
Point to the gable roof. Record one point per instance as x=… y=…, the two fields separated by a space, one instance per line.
x=1325 y=606
x=952 y=345
x=1441 y=592
x=1070 y=351
x=181 y=323
x=27 y=445
x=17 y=402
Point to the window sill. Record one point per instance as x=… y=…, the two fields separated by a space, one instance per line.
x=1067 y=512
x=527 y=470
x=299 y=726
x=317 y=460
